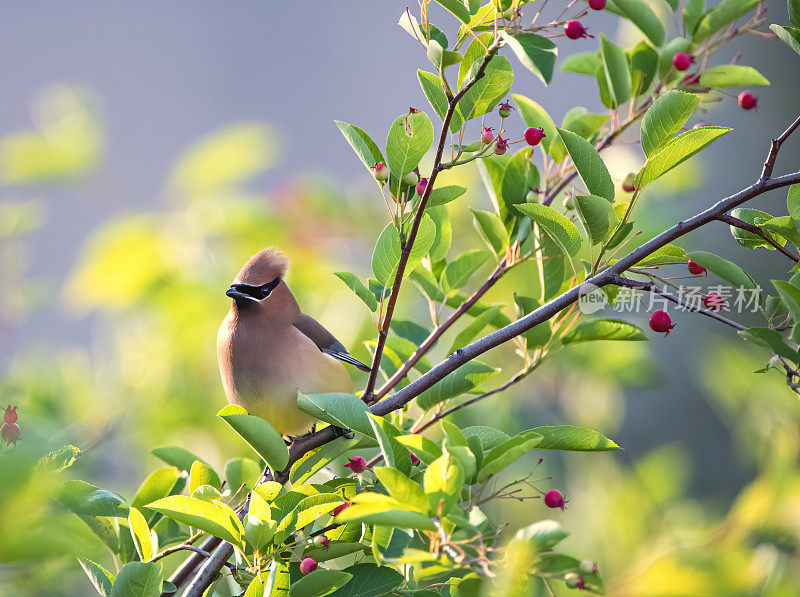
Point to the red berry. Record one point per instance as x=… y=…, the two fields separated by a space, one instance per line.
x=357 y=464
x=747 y=100
x=554 y=499
x=597 y=4
x=695 y=268
x=500 y=146
x=713 y=301
x=308 y=565
x=414 y=459
x=420 y=190
x=10 y=415
x=660 y=322
x=339 y=509
x=574 y=30
x=9 y=433
x=628 y=184
x=534 y=135
x=487 y=136
x=682 y=60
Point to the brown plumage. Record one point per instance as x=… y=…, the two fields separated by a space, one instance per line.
x=268 y=349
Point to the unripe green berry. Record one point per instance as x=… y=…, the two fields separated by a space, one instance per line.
x=568 y=204
x=411 y=179
x=532 y=196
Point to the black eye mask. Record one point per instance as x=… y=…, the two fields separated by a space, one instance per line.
x=250 y=292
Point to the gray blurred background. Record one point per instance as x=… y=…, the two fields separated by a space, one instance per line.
x=165 y=74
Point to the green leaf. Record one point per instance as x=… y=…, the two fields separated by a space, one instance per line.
x=457 y=8
x=641 y=15
x=401 y=488
x=672 y=47
x=604 y=329
x=361 y=291
x=242 y=471
x=366 y=149
x=644 y=66
x=582 y=63
x=617 y=72
x=692 y=12
x=536 y=53
x=748 y=239
x=770 y=339
x=369 y=580
x=316 y=506
x=445 y=194
x=677 y=151
x=138 y=579
x=492 y=230
x=507 y=453
x=721 y=15
x=557 y=226
x=176 y=456
x=540 y=334
x=487 y=92
x=590 y=165
x=314 y=460
x=60 y=459
x=579 y=121
x=464 y=379
x=259 y=435
x=793 y=201
x=459 y=271
x=475 y=51
x=423 y=448
x=793 y=6
x=514 y=185
x=573 y=438
x=789 y=35
x=665 y=118
x=432 y=88
x=85 y=499
x=723 y=268
x=159 y=484
x=666 y=254
x=409 y=139
x=790 y=295
x=732 y=75
x=597 y=215
x=543 y=535
x=320 y=582
x=488 y=436
x=385 y=511
x=386 y=255
x=202 y=474
x=783 y=226
x=443 y=481
x=101 y=578
x=534 y=115
x=474 y=327
x=216 y=519
x=444 y=233
x=140 y=534
x=339 y=409
x=394 y=453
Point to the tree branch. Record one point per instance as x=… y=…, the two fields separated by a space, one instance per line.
x=757 y=230
x=368 y=395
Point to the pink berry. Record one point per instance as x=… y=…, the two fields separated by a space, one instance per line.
x=682 y=61
x=534 y=135
x=628 y=185
x=339 y=509
x=308 y=565
x=695 y=268
x=554 y=499
x=487 y=136
x=414 y=459
x=9 y=433
x=420 y=190
x=380 y=171
x=357 y=464
x=747 y=100
x=10 y=415
x=597 y=4
x=574 y=30
x=500 y=146
x=713 y=301
x=660 y=322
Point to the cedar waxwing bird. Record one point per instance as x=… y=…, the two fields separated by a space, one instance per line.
x=268 y=349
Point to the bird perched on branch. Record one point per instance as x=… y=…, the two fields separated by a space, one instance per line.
x=268 y=349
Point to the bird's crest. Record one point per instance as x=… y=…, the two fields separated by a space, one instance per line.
x=264 y=267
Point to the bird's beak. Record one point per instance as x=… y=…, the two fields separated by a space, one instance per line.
x=235 y=292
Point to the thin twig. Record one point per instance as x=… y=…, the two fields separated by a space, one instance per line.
x=757 y=230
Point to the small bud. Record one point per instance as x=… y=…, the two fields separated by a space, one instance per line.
x=628 y=185
x=661 y=322
x=747 y=101
x=588 y=567
x=322 y=541
x=9 y=433
x=10 y=414
x=487 y=135
x=414 y=459
x=510 y=14
x=695 y=268
x=554 y=499
x=357 y=464
x=597 y=4
x=713 y=301
x=380 y=171
x=421 y=186
x=567 y=203
x=574 y=581
x=500 y=146
x=308 y=565
x=532 y=196
x=411 y=179
x=504 y=109
x=339 y=509
x=534 y=135
x=574 y=30
x=682 y=61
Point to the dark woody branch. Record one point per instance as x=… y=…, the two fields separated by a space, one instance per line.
x=757 y=230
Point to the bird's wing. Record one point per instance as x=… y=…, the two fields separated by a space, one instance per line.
x=326 y=342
